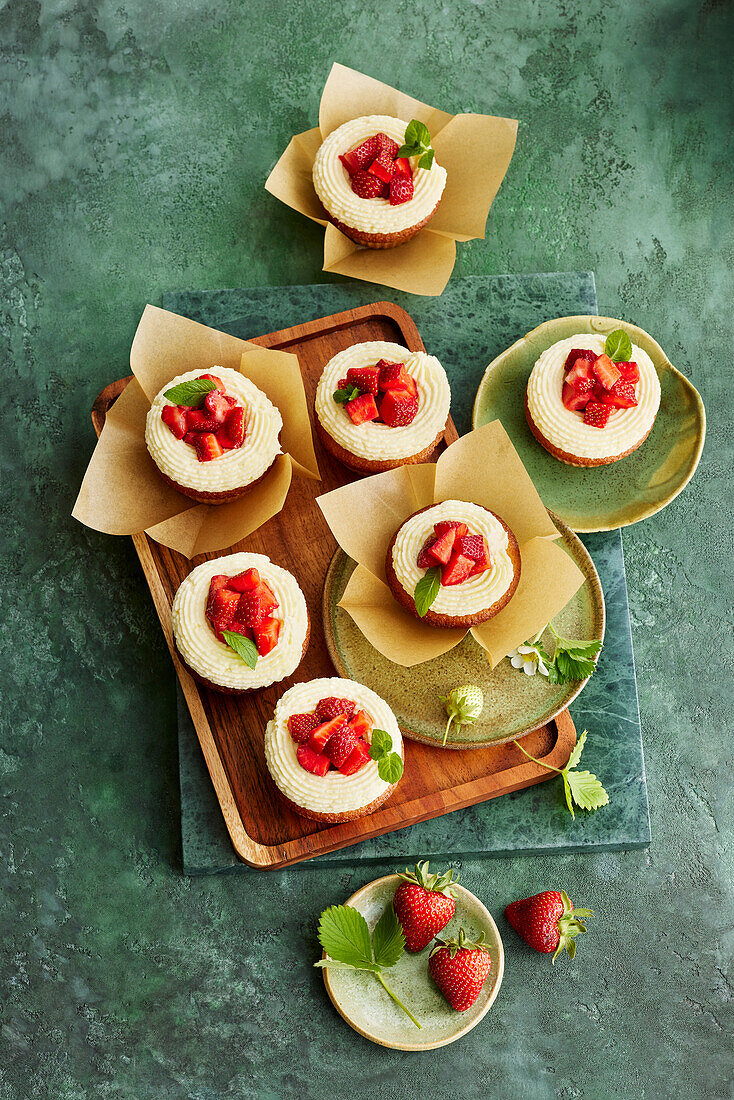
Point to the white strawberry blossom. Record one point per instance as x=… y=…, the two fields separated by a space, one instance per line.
x=529 y=658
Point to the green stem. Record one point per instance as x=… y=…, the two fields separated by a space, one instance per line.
x=398 y=1002
x=550 y=766
x=448 y=727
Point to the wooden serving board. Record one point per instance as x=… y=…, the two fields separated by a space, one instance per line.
x=230 y=728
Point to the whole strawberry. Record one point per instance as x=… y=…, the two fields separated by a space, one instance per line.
x=424 y=904
x=548 y=921
x=459 y=968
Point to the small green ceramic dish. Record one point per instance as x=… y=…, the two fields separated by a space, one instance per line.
x=598 y=498
x=514 y=704
x=360 y=1000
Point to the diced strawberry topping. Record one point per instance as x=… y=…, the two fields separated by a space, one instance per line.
x=217 y=406
x=208 y=447
x=339 y=746
x=213 y=378
x=361 y=724
x=398 y=408
x=349 y=163
x=216 y=584
x=621 y=396
x=250 y=609
x=301 y=726
x=223 y=608
x=331 y=707
x=266 y=635
x=199 y=420
x=630 y=372
x=445 y=525
x=362 y=408
x=442 y=547
x=581 y=376
x=174 y=417
x=383 y=167
x=322 y=733
x=386 y=144
x=597 y=414
x=574 y=399
x=245 y=581
x=234 y=426
x=578 y=353
x=425 y=559
x=473 y=546
x=402 y=167
x=606 y=371
x=368 y=186
x=394 y=376
x=358 y=757
x=365 y=153
x=311 y=761
x=457 y=569
x=367 y=378
x=401 y=190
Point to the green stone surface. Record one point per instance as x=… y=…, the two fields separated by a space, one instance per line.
x=135 y=141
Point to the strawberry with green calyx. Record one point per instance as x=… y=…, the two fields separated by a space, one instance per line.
x=424 y=904
x=459 y=967
x=583 y=788
x=548 y=922
x=463 y=705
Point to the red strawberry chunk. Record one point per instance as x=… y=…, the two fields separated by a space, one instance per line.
x=245 y=581
x=383 y=167
x=199 y=420
x=322 y=733
x=311 y=761
x=358 y=757
x=213 y=378
x=362 y=409
x=581 y=376
x=339 y=746
x=398 y=408
x=474 y=547
x=301 y=726
x=234 y=426
x=331 y=707
x=216 y=406
x=596 y=414
x=573 y=399
x=367 y=378
x=175 y=419
x=402 y=167
x=386 y=144
x=425 y=559
x=606 y=371
x=250 y=610
x=621 y=396
x=442 y=547
x=349 y=163
x=368 y=186
x=401 y=190
x=365 y=153
x=394 y=376
x=630 y=372
x=208 y=447
x=223 y=608
x=457 y=569
x=266 y=596
x=578 y=353
x=361 y=724
x=216 y=584
x=446 y=524
x=266 y=635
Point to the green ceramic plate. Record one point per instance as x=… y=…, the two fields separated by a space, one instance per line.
x=366 y=1007
x=515 y=704
x=598 y=498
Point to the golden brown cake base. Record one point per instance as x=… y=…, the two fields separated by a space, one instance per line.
x=238 y=691
x=574 y=460
x=368 y=465
x=406 y=601
x=382 y=240
x=213 y=498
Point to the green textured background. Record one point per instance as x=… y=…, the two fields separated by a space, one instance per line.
x=135 y=139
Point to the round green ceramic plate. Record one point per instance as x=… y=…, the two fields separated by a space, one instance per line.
x=366 y=1007
x=515 y=704
x=598 y=498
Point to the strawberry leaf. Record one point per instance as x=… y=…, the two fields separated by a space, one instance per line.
x=345 y=937
x=586 y=790
x=191 y=393
x=388 y=940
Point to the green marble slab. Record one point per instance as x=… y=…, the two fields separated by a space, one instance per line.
x=473 y=321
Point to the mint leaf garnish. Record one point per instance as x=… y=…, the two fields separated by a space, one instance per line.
x=426 y=590
x=583 y=788
x=344 y=395
x=618 y=346
x=417 y=144
x=389 y=763
x=191 y=393
x=345 y=937
x=243 y=647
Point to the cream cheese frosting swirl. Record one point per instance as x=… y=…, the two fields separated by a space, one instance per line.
x=379 y=441
x=332 y=184
x=565 y=429
x=473 y=595
x=235 y=468
x=332 y=793
x=215 y=661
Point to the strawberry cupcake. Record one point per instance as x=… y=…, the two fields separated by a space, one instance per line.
x=379 y=406
x=334 y=749
x=453 y=564
x=378 y=180
x=240 y=623
x=590 y=400
x=213 y=436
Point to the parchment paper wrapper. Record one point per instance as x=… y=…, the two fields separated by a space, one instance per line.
x=123 y=492
x=475 y=150
x=483 y=468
